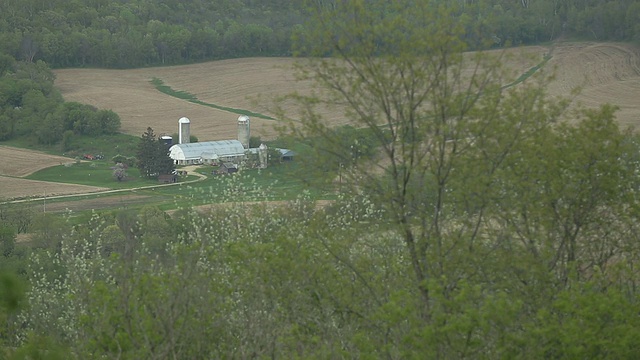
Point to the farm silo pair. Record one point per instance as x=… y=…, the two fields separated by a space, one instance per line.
x=244 y=134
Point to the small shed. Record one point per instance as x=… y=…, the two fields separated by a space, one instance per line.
x=286 y=154
x=228 y=168
x=167 y=178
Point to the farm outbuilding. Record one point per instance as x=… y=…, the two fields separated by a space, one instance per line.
x=168 y=179
x=286 y=154
x=228 y=168
x=207 y=152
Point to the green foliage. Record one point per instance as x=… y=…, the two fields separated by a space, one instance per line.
x=7 y=241
x=119 y=159
x=474 y=220
x=255 y=141
x=129 y=161
x=138 y=33
x=31 y=107
x=17 y=217
x=153 y=156
x=11 y=293
x=94 y=173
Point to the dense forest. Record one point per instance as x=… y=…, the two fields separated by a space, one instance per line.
x=30 y=106
x=135 y=33
x=468 y=219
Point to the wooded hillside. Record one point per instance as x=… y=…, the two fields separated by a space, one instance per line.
x=134 y=33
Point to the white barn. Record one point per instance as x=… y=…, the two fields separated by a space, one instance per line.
x=207 y=152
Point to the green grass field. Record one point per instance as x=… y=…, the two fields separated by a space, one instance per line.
x=94 y=173
x=276 y=183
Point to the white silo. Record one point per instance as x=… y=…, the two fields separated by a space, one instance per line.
x=243 y=130
x=184 y=132
x=263 y=156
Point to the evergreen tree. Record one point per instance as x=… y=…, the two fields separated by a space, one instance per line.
x=153 y=156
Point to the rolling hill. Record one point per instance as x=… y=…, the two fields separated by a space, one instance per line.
x=607 y=72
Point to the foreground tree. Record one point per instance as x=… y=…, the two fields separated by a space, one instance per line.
x=441 y=120
x=456 y=152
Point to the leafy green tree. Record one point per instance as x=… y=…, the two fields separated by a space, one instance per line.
x=67 y=140
x=49 y=231
x=153 y=156
x=7 y=241
x=454 y=151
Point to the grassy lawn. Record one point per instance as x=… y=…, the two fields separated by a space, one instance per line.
x=94 y=173
x=274 y=183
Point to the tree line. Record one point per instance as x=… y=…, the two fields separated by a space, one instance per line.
x=135 y=33
x=30 y=106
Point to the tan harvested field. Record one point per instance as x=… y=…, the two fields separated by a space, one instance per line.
x=23 y=162
x=18 y=163
x=228 y=83
x=607 y=72
x=13 y=188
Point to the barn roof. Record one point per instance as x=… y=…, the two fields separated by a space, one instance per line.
x=193 y=151
x=287 y=153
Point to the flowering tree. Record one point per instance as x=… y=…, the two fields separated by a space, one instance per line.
x=119 y=172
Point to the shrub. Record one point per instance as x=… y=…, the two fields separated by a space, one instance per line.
x=119 y=159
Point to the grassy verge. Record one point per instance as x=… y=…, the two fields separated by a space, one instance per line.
x=160 y=86
x=529 y=72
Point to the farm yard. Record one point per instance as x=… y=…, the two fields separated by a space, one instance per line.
x=606 y=72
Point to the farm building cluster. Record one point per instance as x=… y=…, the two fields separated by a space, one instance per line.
x=229 y=154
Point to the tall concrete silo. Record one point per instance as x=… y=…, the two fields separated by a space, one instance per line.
x=243 y=130
x=263 y=156
x=184 y=131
